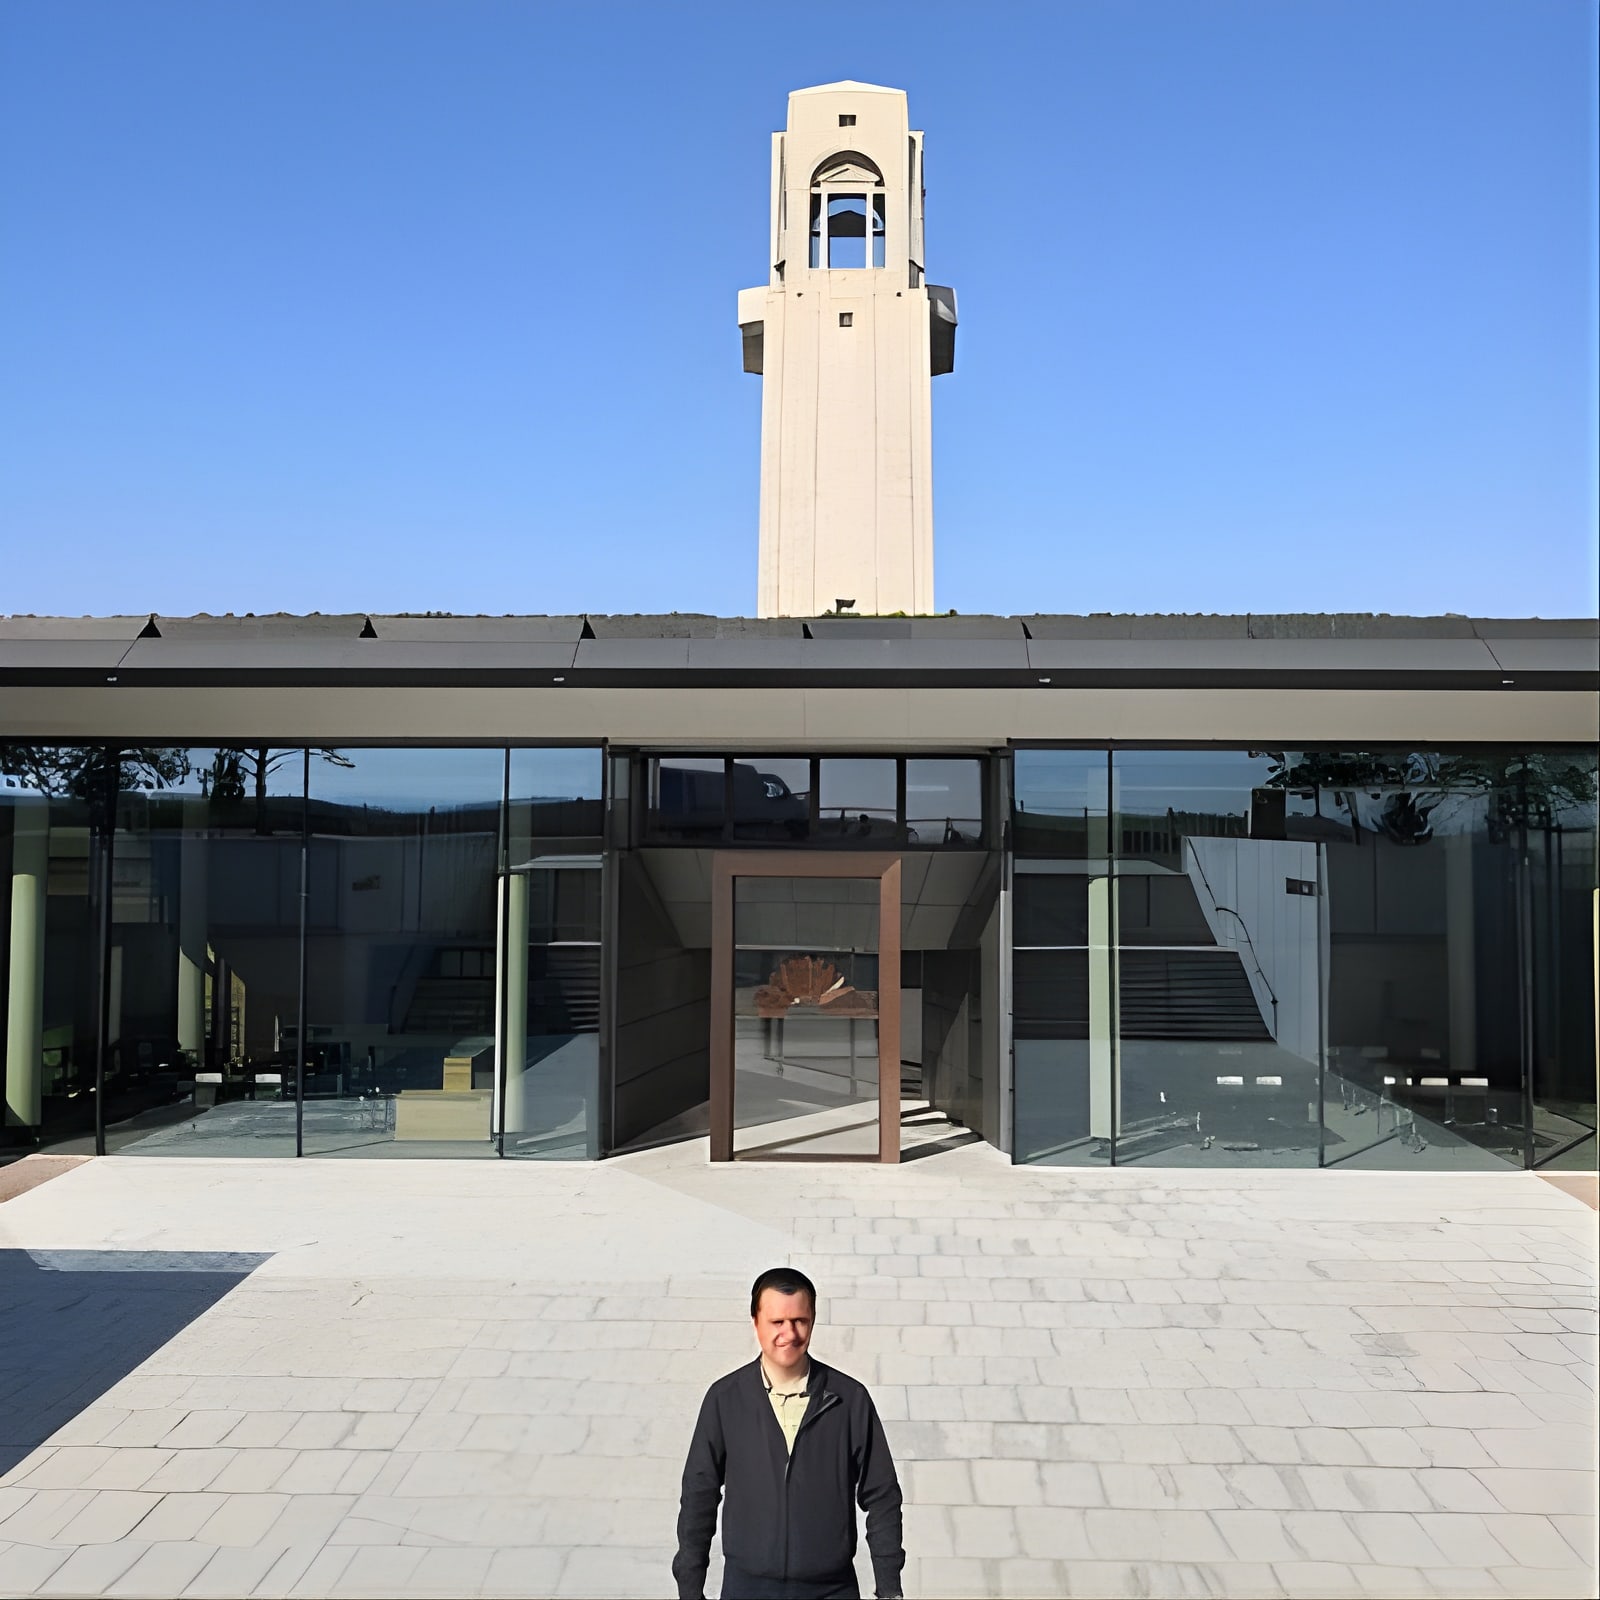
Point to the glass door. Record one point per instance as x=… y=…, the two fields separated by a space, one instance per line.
x=805 y=1046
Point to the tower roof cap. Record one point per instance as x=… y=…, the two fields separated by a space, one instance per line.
x=848 y=85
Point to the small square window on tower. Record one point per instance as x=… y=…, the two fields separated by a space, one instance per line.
x=847 y=119
x=847 y=319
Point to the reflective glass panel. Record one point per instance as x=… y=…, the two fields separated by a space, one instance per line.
x=857 y=803
x=205 y=991
x=1555 y=795
x=1218 y=965
x=1425 y=1052
x=556 y=793
x=1063 y=1032
x=944 y=802
x=49 y=920
x=401 y=950
x=687 y=798
x=1057 y=796
x=772 y=798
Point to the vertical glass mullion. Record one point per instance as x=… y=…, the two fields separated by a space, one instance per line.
x=994 y=798
x=1323 y=914
x=301 y=1027
x=602 y=1138
x=103 y=795
x=1113 y=954
x=502 y=891
x=1523 y=889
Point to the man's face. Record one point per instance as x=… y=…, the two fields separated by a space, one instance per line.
x=783 y=1327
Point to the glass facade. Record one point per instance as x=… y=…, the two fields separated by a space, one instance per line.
x=204 y=945
x=263 y=951
x=551 y=908
x=400 y=949
x=1300 y=958
x=829 y=802
x=54 y=886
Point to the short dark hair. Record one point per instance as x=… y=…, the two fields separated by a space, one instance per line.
x=786 y=1280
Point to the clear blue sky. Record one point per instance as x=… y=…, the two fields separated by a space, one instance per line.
x=379 y=305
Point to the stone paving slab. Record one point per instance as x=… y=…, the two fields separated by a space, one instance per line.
x=28 y=1172
x=412 y=1378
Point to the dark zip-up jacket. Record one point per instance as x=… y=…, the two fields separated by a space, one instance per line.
x=788 y=1515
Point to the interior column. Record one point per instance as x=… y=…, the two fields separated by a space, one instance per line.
x=192 y=934
x=30 y=873
x=515 y=1050
x=1102 y=1012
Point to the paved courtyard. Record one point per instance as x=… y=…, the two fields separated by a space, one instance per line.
x=240 y=1378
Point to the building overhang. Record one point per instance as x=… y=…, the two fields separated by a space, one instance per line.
x=936 y=681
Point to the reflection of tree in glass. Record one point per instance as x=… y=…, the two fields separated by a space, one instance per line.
x=1525 y=789
x=81 y=771
x=236 y=772
x=1531 y=789
x=86 y=772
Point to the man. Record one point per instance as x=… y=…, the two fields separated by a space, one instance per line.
x=794 y=1445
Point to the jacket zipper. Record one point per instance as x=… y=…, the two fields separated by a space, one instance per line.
x=828 y=1400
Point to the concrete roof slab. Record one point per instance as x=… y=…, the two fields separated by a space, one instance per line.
x=42 y=629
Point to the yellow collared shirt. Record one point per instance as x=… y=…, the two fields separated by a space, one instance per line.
x=789 y=1397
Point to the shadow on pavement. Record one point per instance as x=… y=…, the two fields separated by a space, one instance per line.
x=75 y=1322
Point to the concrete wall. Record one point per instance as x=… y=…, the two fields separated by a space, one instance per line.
x=1280 y=956
x=662 y=1058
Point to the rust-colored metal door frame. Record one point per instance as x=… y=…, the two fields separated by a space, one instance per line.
x=726 y=866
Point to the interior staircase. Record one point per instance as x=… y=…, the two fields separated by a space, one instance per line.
x=1197 y=993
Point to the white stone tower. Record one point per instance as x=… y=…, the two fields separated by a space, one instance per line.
x=847 y=336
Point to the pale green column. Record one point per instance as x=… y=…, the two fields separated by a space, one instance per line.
x=1102 y=1010
x=514 y=1047
x=192 y=934
x=30 y=873
x=499 y=1006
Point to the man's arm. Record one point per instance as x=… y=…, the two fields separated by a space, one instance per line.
x=697 y=1510
x=878 y=1490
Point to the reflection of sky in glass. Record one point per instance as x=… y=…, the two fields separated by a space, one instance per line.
x=410 y=780
x=394 y=779
x=858 y=785
x=555 y=774
x=1188 y=780
x=1061 y=782
x=936 y=789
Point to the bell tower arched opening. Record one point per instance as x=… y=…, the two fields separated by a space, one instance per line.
x=849 y=223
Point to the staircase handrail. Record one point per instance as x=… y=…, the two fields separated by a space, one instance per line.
x=1245 y=927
